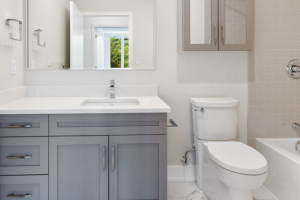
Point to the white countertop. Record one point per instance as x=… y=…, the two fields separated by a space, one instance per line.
x=72 y=105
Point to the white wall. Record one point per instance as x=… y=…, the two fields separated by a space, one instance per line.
x=9 y=49
x=180 y=76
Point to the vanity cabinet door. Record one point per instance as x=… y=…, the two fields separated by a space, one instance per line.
x=138 y=167
x=78 y=168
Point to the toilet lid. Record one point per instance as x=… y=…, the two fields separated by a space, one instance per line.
x=237 y=157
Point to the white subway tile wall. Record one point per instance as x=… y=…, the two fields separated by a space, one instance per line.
x=274 y=98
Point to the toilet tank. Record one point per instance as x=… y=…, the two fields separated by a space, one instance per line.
x=215 y=118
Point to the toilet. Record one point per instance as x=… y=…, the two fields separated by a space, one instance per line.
x=226 y=169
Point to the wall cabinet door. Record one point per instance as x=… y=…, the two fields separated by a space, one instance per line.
x=198 y=24
x=236 y=25
x=138 y=167
x=78 y=168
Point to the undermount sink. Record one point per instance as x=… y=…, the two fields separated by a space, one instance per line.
x=110 y=102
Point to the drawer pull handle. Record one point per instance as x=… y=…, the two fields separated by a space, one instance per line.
x=12 y=195
x=18 y=157
x=19 y=126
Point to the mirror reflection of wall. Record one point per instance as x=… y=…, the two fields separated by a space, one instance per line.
x=48 y=34
x=200 y=16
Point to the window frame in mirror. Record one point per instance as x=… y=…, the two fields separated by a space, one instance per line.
x=130 y=30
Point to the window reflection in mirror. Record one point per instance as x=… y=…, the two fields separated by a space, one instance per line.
x=112 y=48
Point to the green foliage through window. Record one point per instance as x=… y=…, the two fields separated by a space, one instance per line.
x=116 y=54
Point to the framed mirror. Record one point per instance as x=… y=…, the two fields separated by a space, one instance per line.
x=90 y=35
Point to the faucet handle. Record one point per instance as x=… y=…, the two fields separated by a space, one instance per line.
x=112 y=82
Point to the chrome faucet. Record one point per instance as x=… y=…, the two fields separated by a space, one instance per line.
x=112 y=89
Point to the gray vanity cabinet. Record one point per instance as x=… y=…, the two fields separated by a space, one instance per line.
x=84 y=157
x=138 y=167
x=78 y=168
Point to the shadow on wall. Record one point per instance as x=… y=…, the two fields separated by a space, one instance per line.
x=212 y=67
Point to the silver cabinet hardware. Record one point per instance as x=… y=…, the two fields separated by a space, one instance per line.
x=215 y=33
x=173 y=124
x=293 y=68
x=201 y=110
x=19 y=126
x=12 y=195
x=296 y=126
x=113 y=159
x=112 y=89
x=56 y=66
x=296 y=146
x=18 y=157
x=104 y=159
x=20 y=28
x=223 y=34
x=37 y=32
x=183 y=159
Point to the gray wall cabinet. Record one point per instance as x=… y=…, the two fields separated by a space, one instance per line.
x=83 y=157
x=215 y=25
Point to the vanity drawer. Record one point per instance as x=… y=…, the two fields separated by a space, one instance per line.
x=24 y=187
x=21 y=156
x=108 y=124
x=23 y=125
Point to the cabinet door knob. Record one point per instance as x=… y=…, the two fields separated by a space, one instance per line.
x=113 y=159
x=104 y=159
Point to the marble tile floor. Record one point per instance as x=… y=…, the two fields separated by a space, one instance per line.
x=190 y=191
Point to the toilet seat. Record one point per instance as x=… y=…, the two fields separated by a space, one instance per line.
x=237 y=157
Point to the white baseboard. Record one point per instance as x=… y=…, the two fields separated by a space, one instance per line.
x=181 y=173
